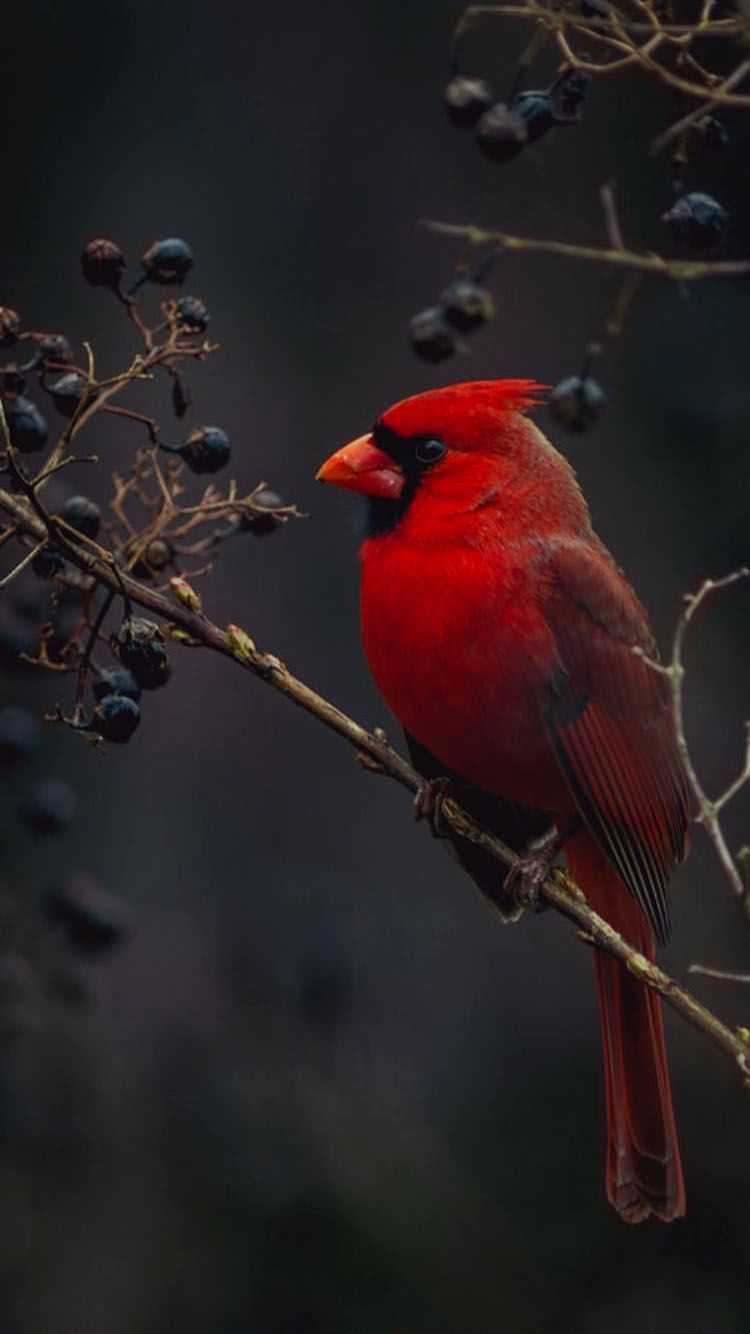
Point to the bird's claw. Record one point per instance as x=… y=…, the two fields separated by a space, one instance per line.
x=428 y=805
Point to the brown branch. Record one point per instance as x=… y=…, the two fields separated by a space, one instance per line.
x=679 y=270
x=558 y=889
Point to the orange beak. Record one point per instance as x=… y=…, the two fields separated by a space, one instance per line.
x=362 y=467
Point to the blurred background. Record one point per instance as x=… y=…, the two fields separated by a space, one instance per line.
x=321 y=1091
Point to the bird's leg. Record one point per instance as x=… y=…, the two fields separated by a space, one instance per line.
x=428 y=804
x=525 y=878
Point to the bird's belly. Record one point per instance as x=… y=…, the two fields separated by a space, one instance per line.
x=466 y=682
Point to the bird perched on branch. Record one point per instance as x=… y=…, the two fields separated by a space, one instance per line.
x=515 y=654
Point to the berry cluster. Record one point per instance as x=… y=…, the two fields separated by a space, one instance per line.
x=505 y=128
x=147 y=529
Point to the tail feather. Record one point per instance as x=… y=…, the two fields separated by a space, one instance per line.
x=643 y=1169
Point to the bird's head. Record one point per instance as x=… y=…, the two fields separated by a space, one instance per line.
x=451 y=452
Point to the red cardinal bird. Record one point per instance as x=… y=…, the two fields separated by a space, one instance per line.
x=501 y=633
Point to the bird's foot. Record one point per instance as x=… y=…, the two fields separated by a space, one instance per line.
x=526 y=877
x=428 y=804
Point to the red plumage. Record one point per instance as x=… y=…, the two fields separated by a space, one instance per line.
x=501 y=634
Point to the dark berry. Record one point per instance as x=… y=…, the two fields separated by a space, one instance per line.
x=103 y=263
x=158 y=555
x=91 y=919
x=466 y=99
x=715 y=133
x=576 y=403
x=431 y=336
x=536 y=110
x=56 y=349
x=10 y=326
x=501 y=133
x=116 y=718
x=83 y=515
x=19 y=736
x=67 y=392
x=168 y=262
x=263 y=521
x=140 y=648
x=206 y=449
x=49 y=807
x=48 y=562
x=12 y=379
x=116 y=681
x=567 y=96
x=467 y=305
x=192 y=313
x=697 y=221
x=27 y=427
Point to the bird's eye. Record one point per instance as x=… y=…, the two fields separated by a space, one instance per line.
x=429 y=451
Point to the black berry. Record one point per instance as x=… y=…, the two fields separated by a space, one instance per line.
x=192 y=313
x=27 y=427
x=103 y=263
x=262 y=522
x=91 y=919
x=467 y=305
x=83 y=515
x=56 y=349
x=576 y=403
x=19 y=736
x=535 y=108
x=67 y=392
x=168 y=262
x=116 y=718
x=49 y=807
x=466 y=99
x=116 y=681
x=206 y=449
x=10 y=326
x=697 y=221
x=501 y=133
x=48 y=562
x=140 y=648
x=431 y=336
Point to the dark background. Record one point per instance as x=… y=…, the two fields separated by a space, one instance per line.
x=321 y=1092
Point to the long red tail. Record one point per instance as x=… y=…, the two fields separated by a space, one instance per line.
x=643 y=1173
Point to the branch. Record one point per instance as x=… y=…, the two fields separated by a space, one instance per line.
x=679 y=270
x=558 y=889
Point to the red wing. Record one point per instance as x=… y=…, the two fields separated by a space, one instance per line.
x=610 y=721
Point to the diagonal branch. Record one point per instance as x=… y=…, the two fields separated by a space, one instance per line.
x=558 y=889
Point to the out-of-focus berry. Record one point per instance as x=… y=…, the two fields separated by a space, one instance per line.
x=192 y=314
x=431 y=336
x=206 y=449
x=10 y=326
x=466 y=99
x=82 y=514
x=535 y=108
x=67 y=392
x=12 y=379
x=467 y=305
x=103 y=263
x=116 y=681
x=19 y=736
x=48 y=562
x=27 y=427
x=501 y=133
x=697 y=220
x=116 y=718
x=567 y=96
x=92 y=920
x=140 y=648
x=715 y=133
x=168 y=262
x=49 y=807
x=56 y=349
x=576 y=403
